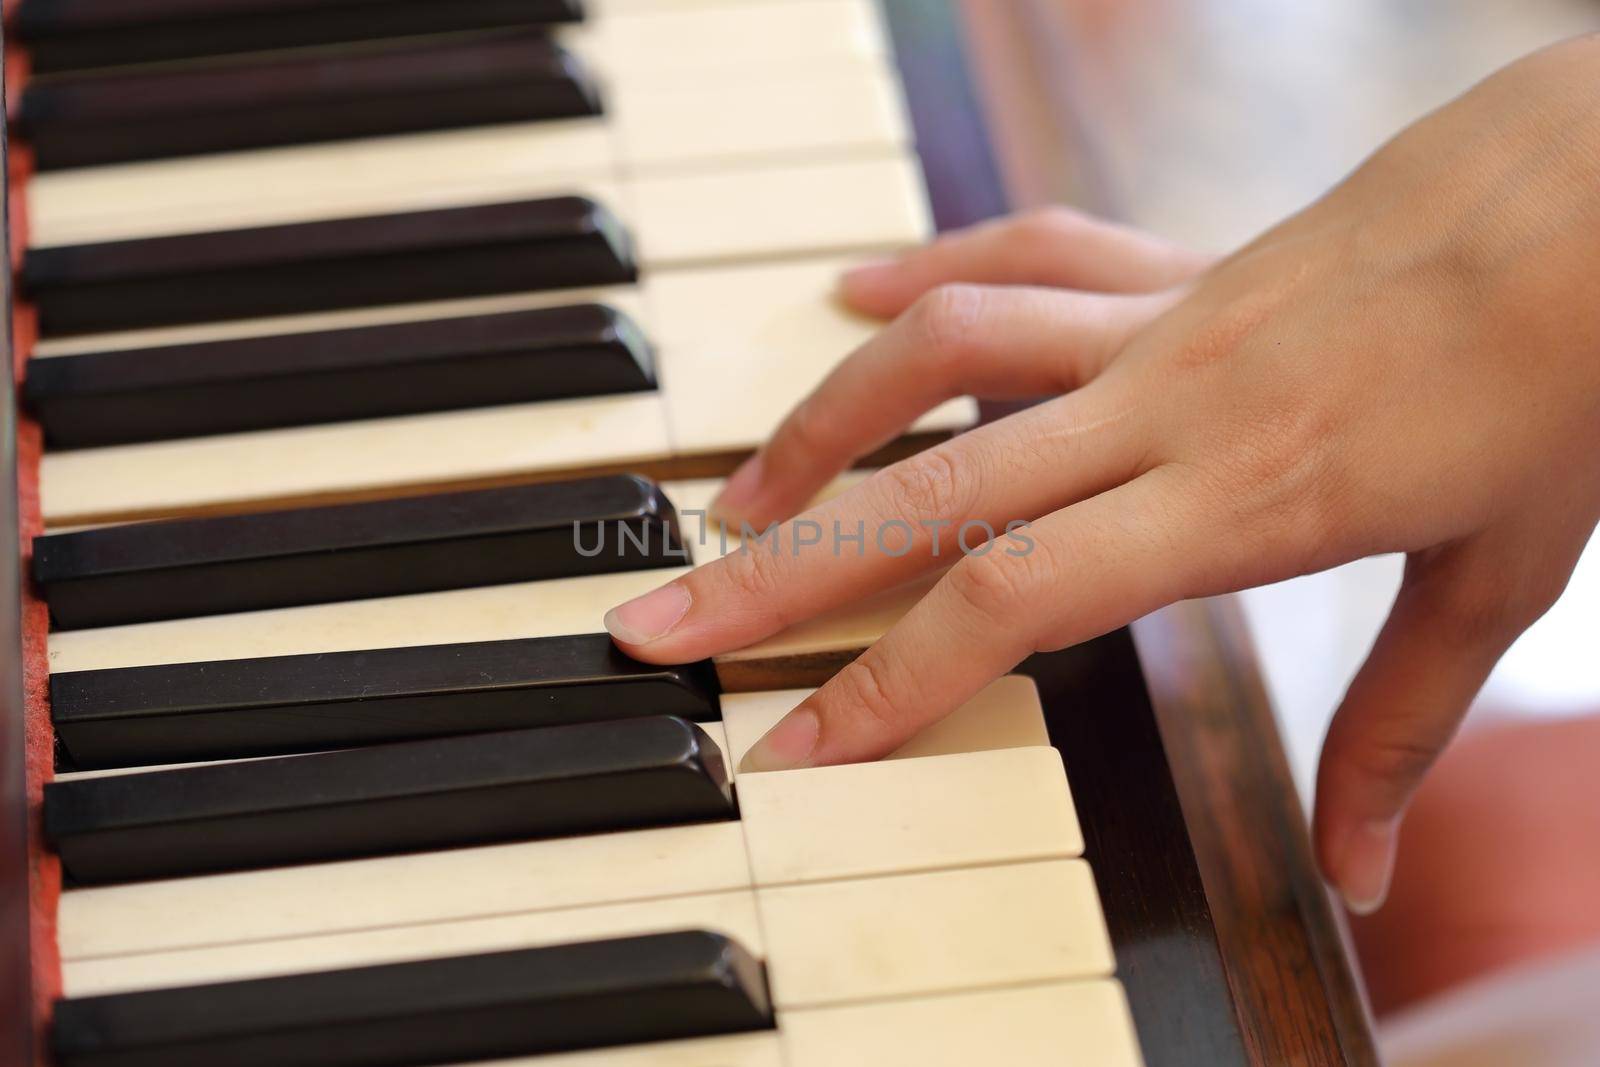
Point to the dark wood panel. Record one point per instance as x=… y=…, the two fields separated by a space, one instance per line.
x=1137 y=844
x=1288 y=962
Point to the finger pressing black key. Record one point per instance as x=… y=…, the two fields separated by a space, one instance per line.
x=441 y=793
x=166 y=570
x=257 y=383
x=316 y=266
x=597 y=993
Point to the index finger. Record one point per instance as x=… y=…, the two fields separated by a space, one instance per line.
x=911 y=517
x=1054 y=247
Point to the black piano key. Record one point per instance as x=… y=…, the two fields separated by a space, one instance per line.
x=108 y=398
x=441 y=793
x=64 y=35
x=185 y=712
x=165 y=570
x=597 y=993
x=302 y=98
x=317 y=266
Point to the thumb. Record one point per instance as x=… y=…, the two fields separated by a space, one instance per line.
x=1453 y=618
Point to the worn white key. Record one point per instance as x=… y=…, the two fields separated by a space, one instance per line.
x=388 y=891
x=732 y=913
x=305 y=464
x=841 y=108
x=304 y=183
x=840 y=632
x=724 y=40
x=1005 y=714
x=749 y=210
x=1060 y=1024
x=779 y=210
x=526 y=609
x=835 y=109
x=762 y=1049
x=917 y=934
x=897 y=816
x=739 y=346
x=490 y=613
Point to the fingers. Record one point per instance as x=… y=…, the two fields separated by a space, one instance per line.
x=1052 y=247
x=955 y=341
x=1456 y=614
x=1091 y=568
x=908 y=518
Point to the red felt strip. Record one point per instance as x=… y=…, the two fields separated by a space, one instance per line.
x=43 y=868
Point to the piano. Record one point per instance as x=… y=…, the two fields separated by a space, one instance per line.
x=346 y=334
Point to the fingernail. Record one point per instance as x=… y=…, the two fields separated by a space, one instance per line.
x=1368 y=865
x=649 y=617
x=738 y=493
x=786 y=746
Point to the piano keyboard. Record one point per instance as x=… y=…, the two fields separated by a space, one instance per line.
x=349 y=776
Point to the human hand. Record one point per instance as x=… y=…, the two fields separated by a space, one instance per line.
x=1411 y=364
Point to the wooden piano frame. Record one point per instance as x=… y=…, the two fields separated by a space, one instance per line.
x=1225 y=938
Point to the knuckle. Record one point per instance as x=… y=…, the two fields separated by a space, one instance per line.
x=809 y=431
x=991 y=587
x=945 y=321
x=865 y=691
x=1496 y=608
x=1050 y=224
x=752 y=576
x=1283 y=482
x=1397 y=759
x=931 y=484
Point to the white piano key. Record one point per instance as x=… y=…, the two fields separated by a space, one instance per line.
x=302 y=183
x=842 y=631
x=392 y=891
x=447 y=449
x=490 y=613
x=600 y=9
x=778 y=210
x=762 y=1049
x=835 y=109
x=919 y=934
x=1005 y=714
x=627 y=299
x=898 y=816
x=739 y=346
x=724 y=40
x=1060 y=1024
x=732 y=913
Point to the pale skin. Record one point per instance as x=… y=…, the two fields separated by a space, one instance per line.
x=1411 y=364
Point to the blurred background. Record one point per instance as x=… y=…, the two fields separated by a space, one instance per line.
x=1207 y=121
